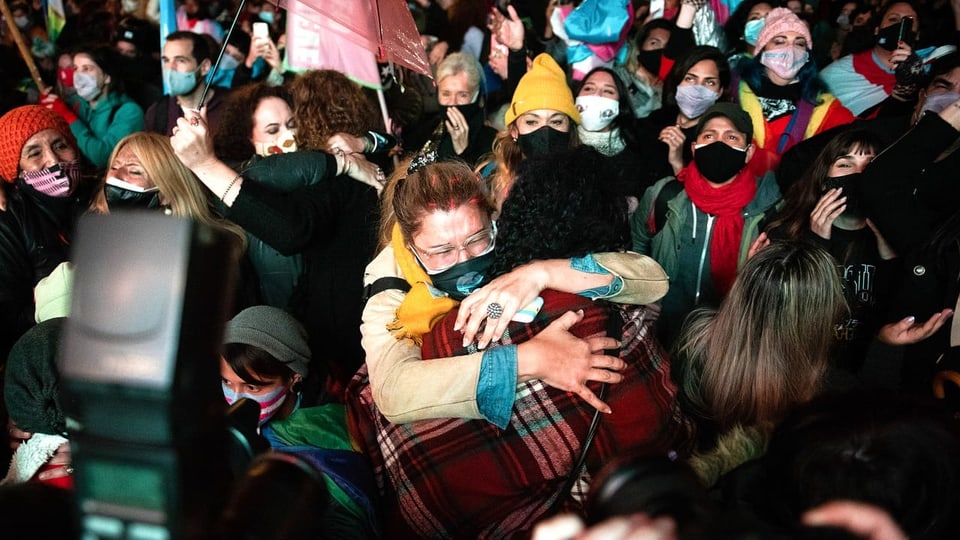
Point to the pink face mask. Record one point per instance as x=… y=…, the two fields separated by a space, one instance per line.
x=786 y=62
x=55 y=181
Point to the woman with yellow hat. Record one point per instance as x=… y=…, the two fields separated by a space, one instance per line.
x=40 y=168
x=541 y=118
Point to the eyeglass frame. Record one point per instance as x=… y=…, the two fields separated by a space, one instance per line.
x=493 y=242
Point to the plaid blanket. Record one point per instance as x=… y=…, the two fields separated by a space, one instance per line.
x=456 y=478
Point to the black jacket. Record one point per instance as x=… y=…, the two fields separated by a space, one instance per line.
x=35 y=236
x=333 y=223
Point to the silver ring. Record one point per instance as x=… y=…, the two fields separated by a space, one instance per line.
x=456 y=127
x=69 y=470
x=494 y=310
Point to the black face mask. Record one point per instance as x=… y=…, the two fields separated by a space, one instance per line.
x=851 y=185
x=463 y=278
x=468 y=111
x=651 y=60
x=887 y=37
x=543 y=141
x=126 y=199
x=719 y=162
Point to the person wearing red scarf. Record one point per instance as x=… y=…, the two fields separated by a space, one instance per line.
x=699 y=225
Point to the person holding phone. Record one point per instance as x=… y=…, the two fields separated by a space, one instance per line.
x=883 y=77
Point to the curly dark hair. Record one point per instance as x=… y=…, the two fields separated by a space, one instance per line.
x=231 y=141
x=560 y=206
x=326 y=102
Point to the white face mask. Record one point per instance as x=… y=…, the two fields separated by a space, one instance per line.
x=86 y=86
x=129 y=6
x=596 y=113
x=786 y=62
x=284 y=144
x=22 y=22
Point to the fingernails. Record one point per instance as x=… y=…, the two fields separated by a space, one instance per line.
x=466 y=342
x=607 y=410
x=910 y=319
x=456 y=327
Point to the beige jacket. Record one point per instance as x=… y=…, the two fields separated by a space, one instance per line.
x=406 y=389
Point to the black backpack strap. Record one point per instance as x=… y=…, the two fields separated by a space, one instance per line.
x=383 y=284
x=667 y=193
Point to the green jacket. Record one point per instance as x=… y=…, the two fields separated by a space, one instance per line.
x=682 y=247
x=99 y=129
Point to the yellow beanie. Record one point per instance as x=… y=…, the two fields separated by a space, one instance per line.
x=543 y=87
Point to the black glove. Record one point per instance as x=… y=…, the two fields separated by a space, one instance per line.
x=908 y=75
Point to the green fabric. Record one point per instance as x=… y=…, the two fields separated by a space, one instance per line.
x=100 y=128
x=320 y=427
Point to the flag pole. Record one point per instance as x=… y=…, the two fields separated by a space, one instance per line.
x=223 y=48
x=22 y=46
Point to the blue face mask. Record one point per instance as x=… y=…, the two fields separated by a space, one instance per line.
x=267 y=16
x=179 y=83
x=752 y=31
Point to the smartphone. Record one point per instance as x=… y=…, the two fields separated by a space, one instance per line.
x=260 y=29
x=905 y=33
x=529 y=312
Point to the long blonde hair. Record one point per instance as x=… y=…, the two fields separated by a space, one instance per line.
x=181 y=190
x=765 y=350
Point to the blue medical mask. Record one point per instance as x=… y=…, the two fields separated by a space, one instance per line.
x=267 y=16
x=178 y=83
x=751 y=31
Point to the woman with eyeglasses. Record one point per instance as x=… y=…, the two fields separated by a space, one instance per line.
x=527 y=444
x=437 y=238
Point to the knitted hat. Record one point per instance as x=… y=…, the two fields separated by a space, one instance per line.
x=32 y=385
x=781 y=20
x=273 y=330
x=543 y=87
x=20 y=124
x=741 y=120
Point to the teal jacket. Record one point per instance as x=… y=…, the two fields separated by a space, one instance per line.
x=98 y=129
x=682 y=247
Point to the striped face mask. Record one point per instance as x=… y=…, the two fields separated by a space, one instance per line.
x=55 y=181
x=269 y=403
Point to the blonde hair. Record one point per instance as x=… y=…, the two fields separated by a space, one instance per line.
x=180 y=188
x=766 y=348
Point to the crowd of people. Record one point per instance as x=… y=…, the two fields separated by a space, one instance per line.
x=619 y=268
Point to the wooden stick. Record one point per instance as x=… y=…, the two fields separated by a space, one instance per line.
x=22 y=45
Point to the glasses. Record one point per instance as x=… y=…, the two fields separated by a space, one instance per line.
x=441 y=258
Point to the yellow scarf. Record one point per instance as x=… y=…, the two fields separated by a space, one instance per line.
x=420 y=309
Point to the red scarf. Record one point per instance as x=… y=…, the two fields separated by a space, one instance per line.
x=726 y=203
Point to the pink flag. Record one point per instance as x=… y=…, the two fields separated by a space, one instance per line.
x=315 y=42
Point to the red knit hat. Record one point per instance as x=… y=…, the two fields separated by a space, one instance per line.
x=781 y=20
x=20 y=124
